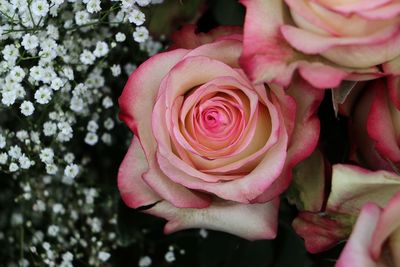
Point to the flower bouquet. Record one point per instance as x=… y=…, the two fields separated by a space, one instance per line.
x=259 y=133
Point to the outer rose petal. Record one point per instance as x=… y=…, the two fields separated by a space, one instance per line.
x=389 y=222
x=363 y=147
x=304 y=134
x=353 y=186
x=356 y=251
x=319 y=232
x=250 y=221
x=380 y=125
x=136 y=103
x=380 y=48
x=134 y=191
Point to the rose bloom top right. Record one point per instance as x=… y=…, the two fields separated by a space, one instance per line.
x=327 y=41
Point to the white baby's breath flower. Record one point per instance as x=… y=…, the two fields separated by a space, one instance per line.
x=68 y=73
x=91 y=138
x=2 y=141
x=22 y=135
x=71 y=171
x=10 y=53
x=92 y=126
x=15 y=152
x=66 y=132
x=142 y=2
x=101 y=49
x=93 y=6
x=27 y=108
x=145 y=261
x=30 y=41
x=3 y=158
x=51 y=169
x=58 y=208
x=140 y=34
x=56 y=84
x=40 y=7
x=24 y=162
x=53 y=230
x=13 y=167
x=120 y=37
x=169 y=256
x=17 y=74
x=82 y=17
x=106 y=138
x=107 y=102
x=67 y=256
x=49 y=128
x=137 y=17
x=8 y=98
x=69 y=158
x=43 y=95
x=108 y=124
x=104 y=256
x=115 y=70
x=87 y=57
x=76 y=104
x=47 y=155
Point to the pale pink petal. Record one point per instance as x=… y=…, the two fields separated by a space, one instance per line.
x=352 y=6
x=304 y=134
x=380 y=126
x=363 y=147
x=134 y=191
x=360 y=52
x=256 y=221
x=388 y=223
x=392 y=67
x=178 y=195
x=356 y=252
x=139 y=96
x=353 y=186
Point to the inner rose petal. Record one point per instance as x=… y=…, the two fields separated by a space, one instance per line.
x=240 y=105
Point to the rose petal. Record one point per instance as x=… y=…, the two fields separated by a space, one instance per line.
x=257 y=221
x=356 y=252
x=361 y=52
x=388 y=223
x=352 y=186
x=134 y=191
x=380 y=126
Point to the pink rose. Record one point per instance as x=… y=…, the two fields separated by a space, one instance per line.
x=327 y=41
x=210 y=149
x=376 y=125
x=375 y=240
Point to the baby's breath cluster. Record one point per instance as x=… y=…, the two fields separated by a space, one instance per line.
x=59 y=63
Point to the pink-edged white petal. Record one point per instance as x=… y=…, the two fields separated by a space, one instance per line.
x=361 y=52
x=353 y=186
x=134 y=191
x=250 y=221
x=356 y=252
